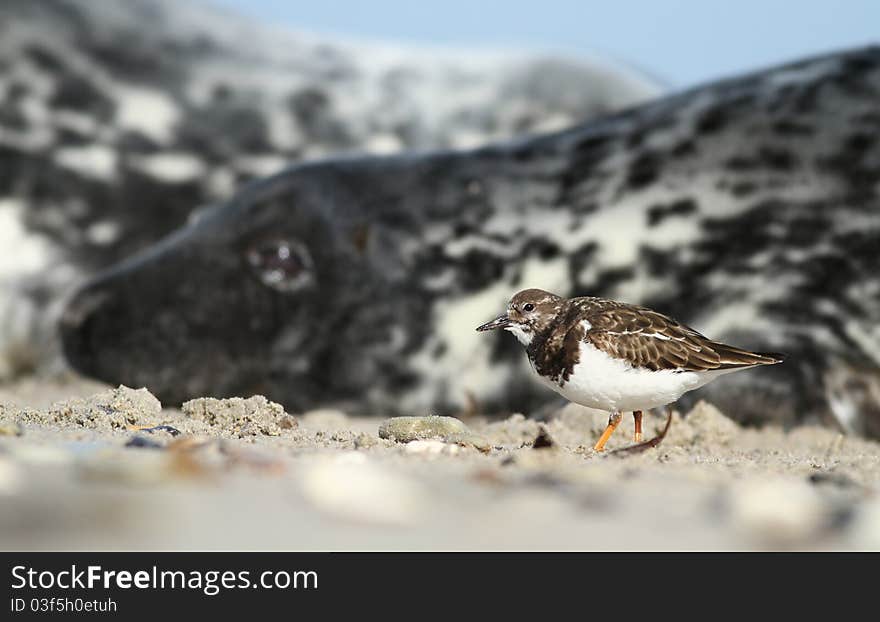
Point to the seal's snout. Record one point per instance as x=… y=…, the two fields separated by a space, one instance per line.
x=77 y=326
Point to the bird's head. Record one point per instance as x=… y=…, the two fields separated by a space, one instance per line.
x=528 y=313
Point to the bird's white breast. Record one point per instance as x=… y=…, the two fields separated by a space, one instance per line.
x=607 y=383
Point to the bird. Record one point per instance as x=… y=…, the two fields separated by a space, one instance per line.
x=615 y=356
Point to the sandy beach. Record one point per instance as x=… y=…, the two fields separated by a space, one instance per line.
x=85 y=466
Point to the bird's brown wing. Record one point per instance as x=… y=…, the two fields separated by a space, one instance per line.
x=654 y=341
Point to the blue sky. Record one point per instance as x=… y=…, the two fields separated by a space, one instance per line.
x=680 y=41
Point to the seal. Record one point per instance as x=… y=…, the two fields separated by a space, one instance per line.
x=747 y=208
x=116 y=123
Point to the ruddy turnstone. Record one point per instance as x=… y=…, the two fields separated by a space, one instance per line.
x=616 y=356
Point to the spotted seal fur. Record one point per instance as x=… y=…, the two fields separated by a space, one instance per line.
x=119 y=118
x=747 y=208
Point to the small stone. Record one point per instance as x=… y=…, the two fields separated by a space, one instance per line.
x=406 y=429
x=447 y=429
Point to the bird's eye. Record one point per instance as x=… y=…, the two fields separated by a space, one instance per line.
x=528 y=307
x=281 y=264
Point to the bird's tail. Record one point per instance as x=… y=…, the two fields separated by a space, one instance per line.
x=732 y=357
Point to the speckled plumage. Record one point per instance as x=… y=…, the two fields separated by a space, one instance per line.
x=616 y=356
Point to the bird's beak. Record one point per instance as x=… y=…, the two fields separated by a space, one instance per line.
x=501 y=322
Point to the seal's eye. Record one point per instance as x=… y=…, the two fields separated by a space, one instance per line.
x=281 y=264
x=528 y=307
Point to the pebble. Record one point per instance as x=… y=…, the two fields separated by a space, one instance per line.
x=406 y=429
x=447 y=429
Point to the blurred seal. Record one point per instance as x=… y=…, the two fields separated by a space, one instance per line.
x=747 y=208
x=119 y=120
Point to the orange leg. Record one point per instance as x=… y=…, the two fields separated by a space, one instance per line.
x=637 y=418
x=613 y=422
